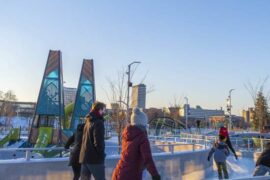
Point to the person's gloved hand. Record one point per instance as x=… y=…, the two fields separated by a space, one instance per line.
x=156 y=177
x=236 y=157
x=208 y=158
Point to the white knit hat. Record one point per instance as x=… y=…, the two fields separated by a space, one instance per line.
x=138 y=117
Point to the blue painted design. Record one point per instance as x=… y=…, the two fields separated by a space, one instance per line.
x=49 y=102
x=83 y=102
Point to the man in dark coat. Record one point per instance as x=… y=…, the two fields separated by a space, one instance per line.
x=263 y=162
x=76 y=140
x=92 y=153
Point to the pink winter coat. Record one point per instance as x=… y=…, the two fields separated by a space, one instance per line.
x=135 y=157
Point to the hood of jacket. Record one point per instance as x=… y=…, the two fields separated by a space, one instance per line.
x=132 y=132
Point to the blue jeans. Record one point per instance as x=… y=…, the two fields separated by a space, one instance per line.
x=97 y=170
x=261 y=170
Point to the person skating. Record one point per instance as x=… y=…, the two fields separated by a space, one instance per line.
x=92 y=153
x=76 y=140
x=263 y=162
x=221 y=152
x=136 y=153
x=223 y=131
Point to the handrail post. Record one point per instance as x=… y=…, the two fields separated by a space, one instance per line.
x=61 y=153
x=261 y=140
x=205 y=139
x=27 y=155
x=248 y=146
x=171 y=146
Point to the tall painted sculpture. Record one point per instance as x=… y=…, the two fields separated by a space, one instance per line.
x=49 y=112
x=85 y=94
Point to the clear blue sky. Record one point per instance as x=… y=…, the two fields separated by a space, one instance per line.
x=199 y=49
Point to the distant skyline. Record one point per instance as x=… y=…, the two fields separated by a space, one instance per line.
x=198 y=49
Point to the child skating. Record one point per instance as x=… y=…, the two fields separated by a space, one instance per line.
x=221 y=152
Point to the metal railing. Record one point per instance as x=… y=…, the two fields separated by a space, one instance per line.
x=174 y=144
x=197 y=142
x=239 y=143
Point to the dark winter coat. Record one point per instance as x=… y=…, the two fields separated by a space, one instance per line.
x=228 y=142
x=135 y=156
x=93 y=144
x=264 y=158
x=220 y=151
x=75 y=139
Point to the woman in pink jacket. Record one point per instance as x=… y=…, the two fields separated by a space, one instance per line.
x=136 y=153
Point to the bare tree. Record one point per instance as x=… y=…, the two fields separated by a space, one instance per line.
x=117 y=98
x=174 y=109
x=150 y=87
x=176 y=102
x=259 y=87
x=261 y=114
x=7 y=108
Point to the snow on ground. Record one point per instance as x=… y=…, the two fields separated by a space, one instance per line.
x=5 y=155
x=17 y=144
x=17 y=121
x=20 y=122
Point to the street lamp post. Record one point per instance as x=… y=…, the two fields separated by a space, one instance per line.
x=229 y=108
x=129 y=84
x=186 y=109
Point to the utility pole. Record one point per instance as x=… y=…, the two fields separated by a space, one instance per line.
x=229 y=108
x=129 y=84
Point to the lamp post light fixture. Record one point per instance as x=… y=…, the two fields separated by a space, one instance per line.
x=129 y=84
x=229 y=108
